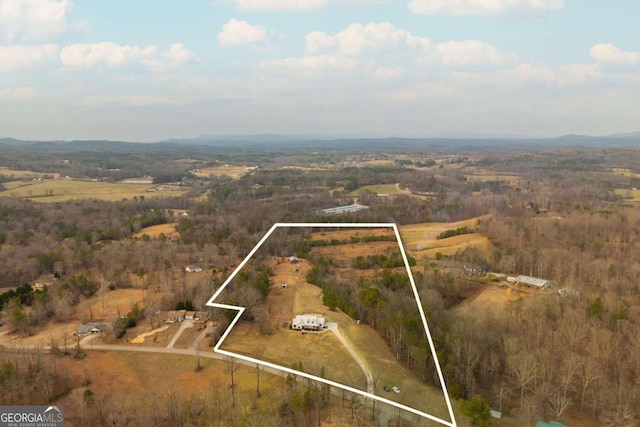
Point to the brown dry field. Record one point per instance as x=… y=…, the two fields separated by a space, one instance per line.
x=342 y=255
x=132 y=379
x=154 y=231
x=420 y=239
x=493 y=297
x=235 y=172
x=60 y=190
x=353 y=232
x=5 y=171
x=257 y=338
x=119 y=301
x=374 y=162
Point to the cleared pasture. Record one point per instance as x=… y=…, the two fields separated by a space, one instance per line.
x=421 y=239
x=154 y=231
x=627 y=193
x=234 y=172
x=5 y=171
x=60 y=190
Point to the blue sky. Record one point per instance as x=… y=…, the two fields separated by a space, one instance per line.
x=149 y=70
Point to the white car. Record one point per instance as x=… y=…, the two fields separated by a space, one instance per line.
x=396 y=389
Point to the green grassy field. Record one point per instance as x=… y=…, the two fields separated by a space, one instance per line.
x=60 y=190
x=627 y=193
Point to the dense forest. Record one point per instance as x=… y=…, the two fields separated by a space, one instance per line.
x=569 y=216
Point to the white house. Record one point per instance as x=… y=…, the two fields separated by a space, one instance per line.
x=308 y=322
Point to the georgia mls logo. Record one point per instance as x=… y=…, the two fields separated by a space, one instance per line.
x=31 y=416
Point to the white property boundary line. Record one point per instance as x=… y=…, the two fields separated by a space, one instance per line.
x=240 y=310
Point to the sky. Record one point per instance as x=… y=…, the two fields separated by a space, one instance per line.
x=149 y=70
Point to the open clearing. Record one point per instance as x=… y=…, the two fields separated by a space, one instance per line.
x=116 y=302
x=154 y=231
x=348 y=234
x=60 y=190
x=420 y=239
x=390 y=189
x=344 y=254
x=491 y=296
x=234 y=172
x=270 y=338
x=5 y=171
x=119 y=376
x=628 y=194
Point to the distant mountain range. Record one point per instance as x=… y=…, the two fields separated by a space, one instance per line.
x=293 y=142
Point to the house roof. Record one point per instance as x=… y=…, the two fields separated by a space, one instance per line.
x=533 y=281
x=88 y=327
x=176 y=313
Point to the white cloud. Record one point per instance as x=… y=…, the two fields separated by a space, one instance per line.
x=107 y=53
x=610 y=54
x=313 y=66
x=467 y=53
x=19 y=94
x=358 y=39
x=527 y=74
x=177 y=56
x=427 y=91
x=21 y=56
x=385 y=74
x=114 y=55
x=237 y=32
x=33 y=19
x=482 y=7
x=292 y=5
x=140 y=100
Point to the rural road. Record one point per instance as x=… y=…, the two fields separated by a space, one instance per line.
x=385 y=413
x=333 y=327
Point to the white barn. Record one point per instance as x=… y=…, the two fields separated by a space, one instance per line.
x=534 y=282
x=308 y=322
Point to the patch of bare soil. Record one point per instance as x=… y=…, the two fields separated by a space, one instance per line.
x=491 y=297
x=141 y=337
